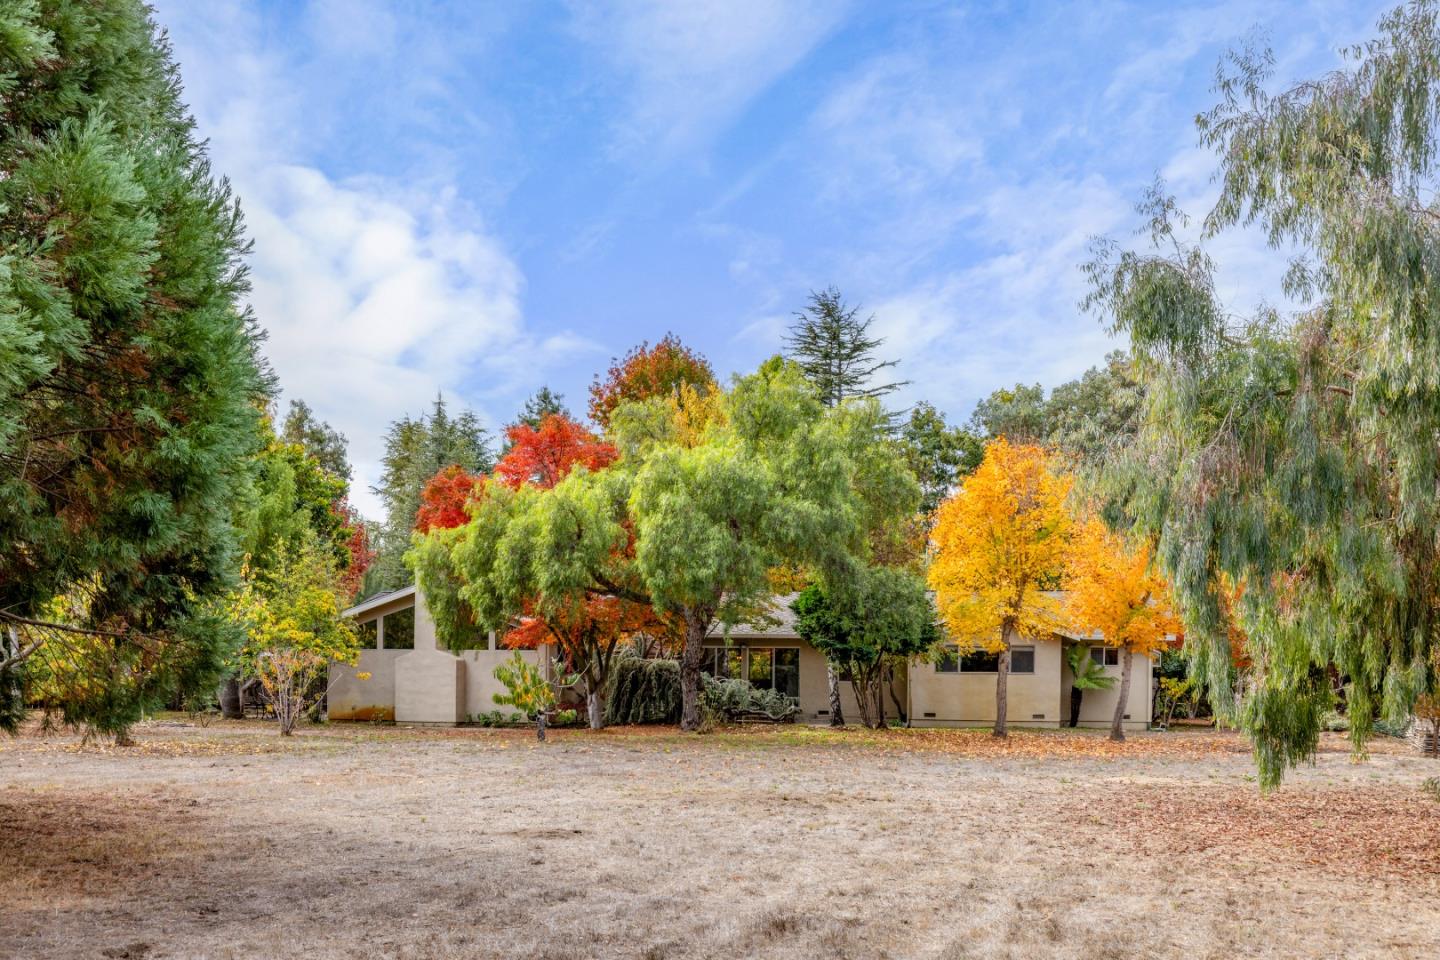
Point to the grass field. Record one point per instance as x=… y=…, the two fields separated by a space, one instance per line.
x=227 y=842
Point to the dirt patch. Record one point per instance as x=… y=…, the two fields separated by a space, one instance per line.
x=225 y=842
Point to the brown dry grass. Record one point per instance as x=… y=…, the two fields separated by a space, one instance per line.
x=227 y=842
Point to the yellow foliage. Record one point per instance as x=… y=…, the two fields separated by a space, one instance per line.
x=694 y=411
x=1112 y=586
x=997 y=541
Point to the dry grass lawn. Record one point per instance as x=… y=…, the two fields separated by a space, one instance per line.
x=226 y=842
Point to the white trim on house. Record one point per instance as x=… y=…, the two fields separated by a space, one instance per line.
x=379 y=600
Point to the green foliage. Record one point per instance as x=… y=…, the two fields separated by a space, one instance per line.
x=319 y=440
x=1085 y=673
x=417 y=448
x=939 y=455
x=526 y=688
x=543 y=403
x=834 y=349
x=734 y=699
x=130 y=381
x=1291 y=460
x=643 y=691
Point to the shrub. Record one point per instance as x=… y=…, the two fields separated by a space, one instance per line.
x=730 y=699
x=643 y=691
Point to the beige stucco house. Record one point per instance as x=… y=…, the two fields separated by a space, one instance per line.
x=411 y=680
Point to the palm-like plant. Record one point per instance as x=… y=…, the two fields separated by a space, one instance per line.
x=1085 y=674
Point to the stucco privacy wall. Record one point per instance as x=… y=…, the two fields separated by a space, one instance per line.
x=968 y=699
x=351 y=698
x=480 y=683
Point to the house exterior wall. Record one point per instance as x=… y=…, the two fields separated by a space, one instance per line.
x=1097 y=707
x=968 y=699
x=814 y=690
x=423 y=685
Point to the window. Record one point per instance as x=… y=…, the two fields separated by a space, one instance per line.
x=1022 y=659
x=769 y=668
x=980 y=661
x=948 y=661
x=368 y=634
x=1105 y=656
x=787 y=672
x=399 y=632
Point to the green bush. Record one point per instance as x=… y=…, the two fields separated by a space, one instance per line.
x=730 y=699
x=565 y=718
x=643 y=691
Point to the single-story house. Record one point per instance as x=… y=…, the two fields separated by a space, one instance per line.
x=412 y=680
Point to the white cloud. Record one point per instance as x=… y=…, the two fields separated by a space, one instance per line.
x=376 y=295
x=693 y=66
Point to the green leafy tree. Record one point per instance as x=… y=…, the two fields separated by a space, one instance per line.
x=417 y=448
x=317 y=438
x=290 y=612
x=874 y=623
x=130 y=381
x=543 y=403
x=1020 y=414
x=692 y=518
x=939 y=455
x=1289 y=461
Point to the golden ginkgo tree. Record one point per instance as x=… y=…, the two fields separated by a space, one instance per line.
x=1113 y=587
x=999 y=542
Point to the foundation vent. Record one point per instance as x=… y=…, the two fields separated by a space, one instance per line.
x=929 y=715
x=1037 y=716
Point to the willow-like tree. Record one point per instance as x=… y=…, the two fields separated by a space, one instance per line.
x=1112 y=586
x=130 y=382
x=1000 y=542
x=1290 y=460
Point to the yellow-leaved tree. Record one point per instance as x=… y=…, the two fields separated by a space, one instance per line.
x=1000 y=541
x=1113 y=587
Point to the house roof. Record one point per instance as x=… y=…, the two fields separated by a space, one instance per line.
x=379 y=600
x=780 y=612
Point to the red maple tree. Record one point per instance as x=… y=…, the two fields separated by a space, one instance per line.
x=442 y=502
x=646 y=372
x=543 y=456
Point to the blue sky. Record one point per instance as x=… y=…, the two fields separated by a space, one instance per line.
x=481 y=198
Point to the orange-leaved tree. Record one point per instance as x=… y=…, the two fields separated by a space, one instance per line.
x=999 y=542
x=542 y=456
x=1113 y=587
x=444 y=498
x=646 y=372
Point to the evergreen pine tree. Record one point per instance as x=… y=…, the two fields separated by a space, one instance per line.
x=417 y=448
x=130 y=383
x=544 y=403
x=834 y=348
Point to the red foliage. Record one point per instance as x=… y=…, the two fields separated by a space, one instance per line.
x=542 y=457
x=357 y=546
x=442 y=502
x=646 y=372
x=597 y=624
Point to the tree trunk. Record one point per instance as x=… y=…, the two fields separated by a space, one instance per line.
x=832 y=680
x=541 y=718
x=1117 y=729
x=1076 y=695
x=895 y=698
x=690 y=657
x=1002 y=688
x=860 y=687
x=877 y=691
x=595 y=705
x=123 y=738
x=231 y=707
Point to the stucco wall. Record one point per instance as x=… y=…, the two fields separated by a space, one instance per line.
x=351 y=698
x=480 y=683
x=429 y=687
x=968 y=699
x=1097 y=708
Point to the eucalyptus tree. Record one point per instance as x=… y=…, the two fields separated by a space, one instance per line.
x=1287 y=463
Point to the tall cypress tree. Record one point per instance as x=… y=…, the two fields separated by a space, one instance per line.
x=130 y=383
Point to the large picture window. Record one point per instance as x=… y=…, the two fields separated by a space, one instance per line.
x=1105 y=656
x=399 y=632
x=368 y=634
x=769 y=668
